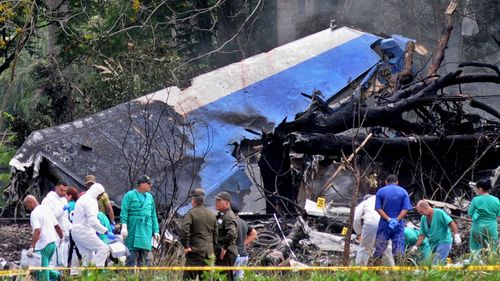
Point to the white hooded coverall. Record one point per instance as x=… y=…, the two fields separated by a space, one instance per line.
x=366 y=220
x=85 y=226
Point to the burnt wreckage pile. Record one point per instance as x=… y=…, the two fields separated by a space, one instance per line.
x=421 y=131
x=430 y=130
x=426 y=127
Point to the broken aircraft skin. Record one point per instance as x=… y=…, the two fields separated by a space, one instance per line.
x=182 y=138
x=117 y=145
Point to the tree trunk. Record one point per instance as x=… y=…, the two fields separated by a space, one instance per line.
x=55 y=11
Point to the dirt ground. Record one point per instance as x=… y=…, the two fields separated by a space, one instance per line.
x=13 y=238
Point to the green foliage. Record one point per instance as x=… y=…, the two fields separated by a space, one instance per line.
x=110 y=82
x=16 y=18
x=109 y=52
x=301 y=276
x=23 y=86
x=23 y=124
x=6 y=153
x=115 y=51
x=125 y=275
x=55 y=87
x=91 y=29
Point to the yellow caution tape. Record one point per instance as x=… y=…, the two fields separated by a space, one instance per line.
x=265 y=268
x=4 y=273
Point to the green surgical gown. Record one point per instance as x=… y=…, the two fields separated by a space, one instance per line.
x=484 y=210
x=139 y=214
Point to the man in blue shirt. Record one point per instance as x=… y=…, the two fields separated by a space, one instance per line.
x=392 y=203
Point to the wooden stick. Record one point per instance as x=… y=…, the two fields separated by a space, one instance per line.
x=347 y=244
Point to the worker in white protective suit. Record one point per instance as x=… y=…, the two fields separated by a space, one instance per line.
x=85 y=226
x=366 y=220
x=57 y=203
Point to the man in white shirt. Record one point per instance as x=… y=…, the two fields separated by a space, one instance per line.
x=57 y=203
x=366 y=220
x=46 y=232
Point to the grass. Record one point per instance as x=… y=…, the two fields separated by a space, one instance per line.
x=431 y=275
x=312 y=276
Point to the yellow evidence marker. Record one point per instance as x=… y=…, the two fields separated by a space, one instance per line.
x=321 y=202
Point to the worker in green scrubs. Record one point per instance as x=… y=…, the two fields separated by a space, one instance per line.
x=46 y=232
x=411 y=237
x=139 y=222
x=484 y=210
x=435 y=225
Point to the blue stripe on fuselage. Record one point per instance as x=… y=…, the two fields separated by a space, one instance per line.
x=272 y=99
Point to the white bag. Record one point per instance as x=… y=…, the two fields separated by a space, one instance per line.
x=61 y=255
x=35 y=260
x=118 y=249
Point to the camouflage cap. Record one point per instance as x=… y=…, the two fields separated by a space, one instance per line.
x=223 y=196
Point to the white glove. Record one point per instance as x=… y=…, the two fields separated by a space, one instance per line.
x=457 y=239
x=156 y=241
x=124 y=231
x=413 y=249
x=30 y=252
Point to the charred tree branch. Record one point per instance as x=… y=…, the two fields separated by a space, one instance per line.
x=322 y=119
x=480 y=64
x=445 y=37
x=331 y=144
x=477 y=104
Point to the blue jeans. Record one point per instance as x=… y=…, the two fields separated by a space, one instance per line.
x=137 y=257
x=442 y=250
x=240 y=261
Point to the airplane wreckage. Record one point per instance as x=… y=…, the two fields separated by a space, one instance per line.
x=305 y=120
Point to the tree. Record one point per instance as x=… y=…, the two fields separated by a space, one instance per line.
x=18 y=19
x=106 y=53
x=18 y=23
